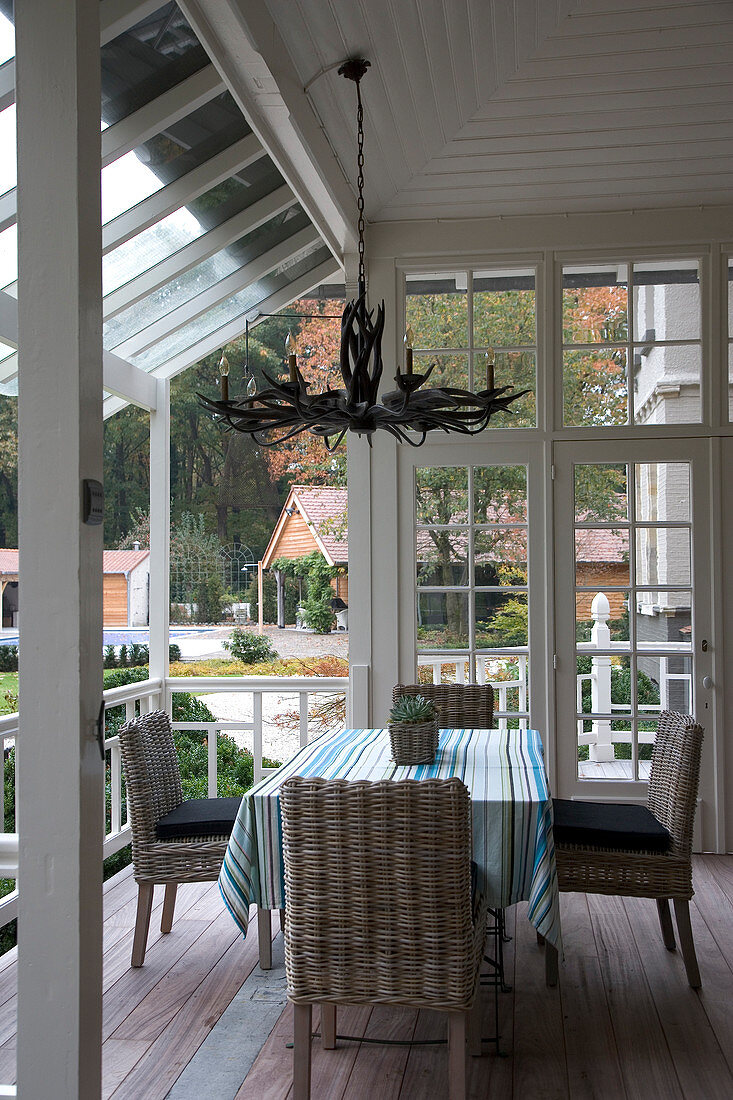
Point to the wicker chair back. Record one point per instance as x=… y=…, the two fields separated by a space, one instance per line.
x=675 y=776
x=152 y=773
x=459 y=705
x=378 y=887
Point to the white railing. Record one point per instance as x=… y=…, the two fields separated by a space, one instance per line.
x=253 y=689
x=456 y=668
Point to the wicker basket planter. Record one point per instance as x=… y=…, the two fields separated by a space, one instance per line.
x=414 y=742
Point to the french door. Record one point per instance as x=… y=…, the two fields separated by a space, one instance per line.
x=632 y=598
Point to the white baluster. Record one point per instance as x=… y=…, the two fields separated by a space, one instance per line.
x=602 y=749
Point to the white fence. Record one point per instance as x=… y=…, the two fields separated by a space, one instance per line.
x=456 y=667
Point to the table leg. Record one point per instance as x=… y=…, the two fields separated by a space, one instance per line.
x=264 y=937
x=551 y=965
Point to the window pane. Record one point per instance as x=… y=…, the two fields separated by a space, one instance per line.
x=517 y=370
x=663 y=555
x=664 y=683
x=501 y=619
x=437 y=310
x=503 y=309
x=595 y=388
x=601 y=557
x=667 y=384
x=604 y=688
x=442 y=620
x=448 y=370
x=509 y=677
x=442 y=557
x=8 y=256
x=500 y=494
x=647 y=735
x=601 y=492
x=441 y=494
x=500 y=556
x=617 y=623
x=662 y=491
x=595 y=304
x=8 y=161
x=664 y=618
x=667 y=301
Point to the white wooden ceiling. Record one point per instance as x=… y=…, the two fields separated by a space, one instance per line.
x=484 y=107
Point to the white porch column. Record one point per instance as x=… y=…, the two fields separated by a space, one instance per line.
x=160 y=528
x=60 y=772
x=602 y=748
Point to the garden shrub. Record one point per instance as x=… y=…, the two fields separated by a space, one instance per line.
x=249 y=648
x=8 y=658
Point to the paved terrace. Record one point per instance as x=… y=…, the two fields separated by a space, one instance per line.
x=200 y=1021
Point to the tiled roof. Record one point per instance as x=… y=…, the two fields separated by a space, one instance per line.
x=325 y=505
x=114 y=561
x=601 y=544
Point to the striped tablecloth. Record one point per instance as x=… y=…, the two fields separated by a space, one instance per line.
x=512 y=816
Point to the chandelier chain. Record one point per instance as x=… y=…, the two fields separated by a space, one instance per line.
x=360 y=183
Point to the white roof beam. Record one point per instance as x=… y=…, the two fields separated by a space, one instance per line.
x=128 y=382
x=8 y=210
x=8 y=319
x=160 y=113
x=246 y=46
x=225 y=288
x=224 y=335
x=181 y=192
x=117 y=16
x=7 y=84
x=191 y=254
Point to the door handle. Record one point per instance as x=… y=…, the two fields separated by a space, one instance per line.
x=707 y=683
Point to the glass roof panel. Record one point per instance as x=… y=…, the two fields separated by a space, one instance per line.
x=189 y=223
x=8 y=160
x=7 y=39
x=148 y=60
x=8 y=256
x=236 y=306
x=204 y=275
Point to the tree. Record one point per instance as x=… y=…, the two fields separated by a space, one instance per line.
x=8 y=471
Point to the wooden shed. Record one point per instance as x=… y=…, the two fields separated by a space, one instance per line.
x=126 y=582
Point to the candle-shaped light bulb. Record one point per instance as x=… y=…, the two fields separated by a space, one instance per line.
x=490 y=369
x=409 y=340
x=224 y=372
x=290 y=350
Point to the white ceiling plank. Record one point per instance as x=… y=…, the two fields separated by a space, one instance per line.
x=569 y=132
x=191 y=254
x=181 y=192
x=685 y=61
x=297 y=289
x=440 y=64
x=117 y=16
x=160 y=113
x=706 y=102
x=634 y=83
x=7 y=84
x=128 y=382
x=261 y=77
x=584 y=22
x=225 y=288
x=8 y=209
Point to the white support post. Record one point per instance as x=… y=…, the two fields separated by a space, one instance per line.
x=160 y=523
x=602 y=748
x=60 y=773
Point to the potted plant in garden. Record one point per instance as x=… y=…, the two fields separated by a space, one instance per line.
x=413 y=730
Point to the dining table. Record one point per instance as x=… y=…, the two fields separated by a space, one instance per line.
x=511 y=808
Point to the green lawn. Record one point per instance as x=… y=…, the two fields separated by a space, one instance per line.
x=8 y=682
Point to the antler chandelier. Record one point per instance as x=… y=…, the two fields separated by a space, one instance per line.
x=412 y=410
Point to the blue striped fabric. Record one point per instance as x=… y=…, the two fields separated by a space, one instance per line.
x=512 y=816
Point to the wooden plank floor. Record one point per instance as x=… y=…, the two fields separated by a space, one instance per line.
x=623 y=1022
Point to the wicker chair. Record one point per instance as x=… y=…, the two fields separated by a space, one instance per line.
x=460 y=705
x=380 y=907
x=627 y=862
x=172 y=841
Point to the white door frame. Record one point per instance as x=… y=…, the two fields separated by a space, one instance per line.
x=697 y=453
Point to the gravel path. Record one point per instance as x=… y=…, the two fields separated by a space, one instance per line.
x=280 y=743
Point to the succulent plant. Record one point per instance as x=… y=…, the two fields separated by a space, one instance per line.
x=411 y=709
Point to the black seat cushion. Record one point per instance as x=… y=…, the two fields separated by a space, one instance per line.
x=199 y=817
x=608 y=825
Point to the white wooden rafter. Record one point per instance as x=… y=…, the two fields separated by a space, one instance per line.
x=7 y=84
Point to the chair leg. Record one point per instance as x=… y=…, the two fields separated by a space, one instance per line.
x=474 y=1028
x=457 y=1055
x=282 y=920
x=328 y=1026
x=540 y=940
x=687 y=944
x=665 y=922
x=264 y=938
x=169 y=906
x=551 y=965
x=302 y=1052
x=142 y=922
